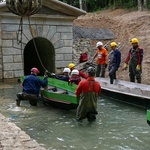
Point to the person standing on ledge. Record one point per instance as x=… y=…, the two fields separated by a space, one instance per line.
x=87 y=92
x=31 y=87
x=134 y=60
x=101 y=54
x=114 y=61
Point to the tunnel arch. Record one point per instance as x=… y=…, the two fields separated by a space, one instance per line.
x=46 y=51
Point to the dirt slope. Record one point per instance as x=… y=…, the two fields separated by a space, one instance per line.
x=125 y=25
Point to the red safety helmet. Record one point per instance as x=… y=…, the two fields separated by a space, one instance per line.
x=35 y=70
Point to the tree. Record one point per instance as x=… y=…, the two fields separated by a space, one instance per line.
x=140 y=5
x=145 y=5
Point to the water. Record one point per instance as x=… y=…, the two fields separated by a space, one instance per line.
x=118 y=126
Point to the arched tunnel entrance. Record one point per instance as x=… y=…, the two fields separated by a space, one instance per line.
x=45 y=49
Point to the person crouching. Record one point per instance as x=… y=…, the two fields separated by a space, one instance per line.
x=31 y=87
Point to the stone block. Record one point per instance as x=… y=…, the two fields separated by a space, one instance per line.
x=8 y=74
x=56 y=21
x=55 y=38
x=64 y=29
x=10 y=27
x=62 y=64
x=68 y=42
x=40 y=30
x=51 y=32
x=18 y=58
x=9 y=35
x=64 y=50
x=17 y=45
x=7 y=43
x=68 y=57
x=12 y=66
x=59 y=57
x=66 y=36
x=59 y=44
x=7 y=59
x=18 y=73
x=45 y=30
x=11 y=51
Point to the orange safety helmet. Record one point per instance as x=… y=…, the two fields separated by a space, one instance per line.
x=35 y=70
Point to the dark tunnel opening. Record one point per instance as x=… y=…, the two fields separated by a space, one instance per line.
x=46 y=59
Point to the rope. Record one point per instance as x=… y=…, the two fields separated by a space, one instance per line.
x=20 y=32
x=35 y=45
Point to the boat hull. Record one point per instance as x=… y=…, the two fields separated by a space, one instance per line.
x=63 y=101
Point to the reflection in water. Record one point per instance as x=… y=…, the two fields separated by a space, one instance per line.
x=118 y=126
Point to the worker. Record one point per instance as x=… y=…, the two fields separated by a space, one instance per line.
x=66 y=76
x=31 y=87
x=87 y=92
x=114 y=61
x=81 y=74
x=75 y=78
x=101 y=54
x=134 y=60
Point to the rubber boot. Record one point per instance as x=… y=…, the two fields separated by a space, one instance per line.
x=18 y=102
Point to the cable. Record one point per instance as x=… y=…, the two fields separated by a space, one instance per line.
x=35 y=45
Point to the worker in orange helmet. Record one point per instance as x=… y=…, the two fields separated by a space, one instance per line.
x=81 y=74
x=134 y=60
x=31 y=87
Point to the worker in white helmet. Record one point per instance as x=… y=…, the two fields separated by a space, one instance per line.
x=101 y=54
x=75 y=78
x=65 y=76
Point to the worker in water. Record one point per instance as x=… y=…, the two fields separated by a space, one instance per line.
x=31 y=87
x=66 y=76
x=81 y=74
x=87 y=92
x=134 y=60
x=114 y=61
x=75 y=78
x=101 y=54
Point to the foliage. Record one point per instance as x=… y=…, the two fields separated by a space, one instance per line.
x=93 y=5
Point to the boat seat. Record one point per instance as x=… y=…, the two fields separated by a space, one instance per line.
x=62 y=92
x=52 y=88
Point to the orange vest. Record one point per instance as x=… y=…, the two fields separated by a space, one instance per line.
x=101 y=56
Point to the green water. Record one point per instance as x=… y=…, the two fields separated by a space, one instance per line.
x=118 y=126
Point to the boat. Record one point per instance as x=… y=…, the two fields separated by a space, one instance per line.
x=148 y=116
x=125 y=91
x=59 y=93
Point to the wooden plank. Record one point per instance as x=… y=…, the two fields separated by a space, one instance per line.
x=61 y=92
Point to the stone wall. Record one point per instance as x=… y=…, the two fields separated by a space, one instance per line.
x=57 y=31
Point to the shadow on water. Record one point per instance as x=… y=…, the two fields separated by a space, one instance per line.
x=118 y=126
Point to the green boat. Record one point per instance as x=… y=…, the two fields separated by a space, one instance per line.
x=59 y=94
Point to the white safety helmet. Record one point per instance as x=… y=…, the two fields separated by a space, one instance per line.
x=75 y=71
x=99 y=44
x=67 y=70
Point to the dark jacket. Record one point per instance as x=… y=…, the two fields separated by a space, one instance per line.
x=63 y=78
x=32 y=84
x=115 y=59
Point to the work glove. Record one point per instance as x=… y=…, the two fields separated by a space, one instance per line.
x=45 y=76
x=138 y=68
x=125 y=66
x=53 y=74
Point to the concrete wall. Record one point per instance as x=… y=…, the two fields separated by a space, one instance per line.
x=57 y=30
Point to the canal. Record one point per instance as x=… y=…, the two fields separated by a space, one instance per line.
x=119 y=126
